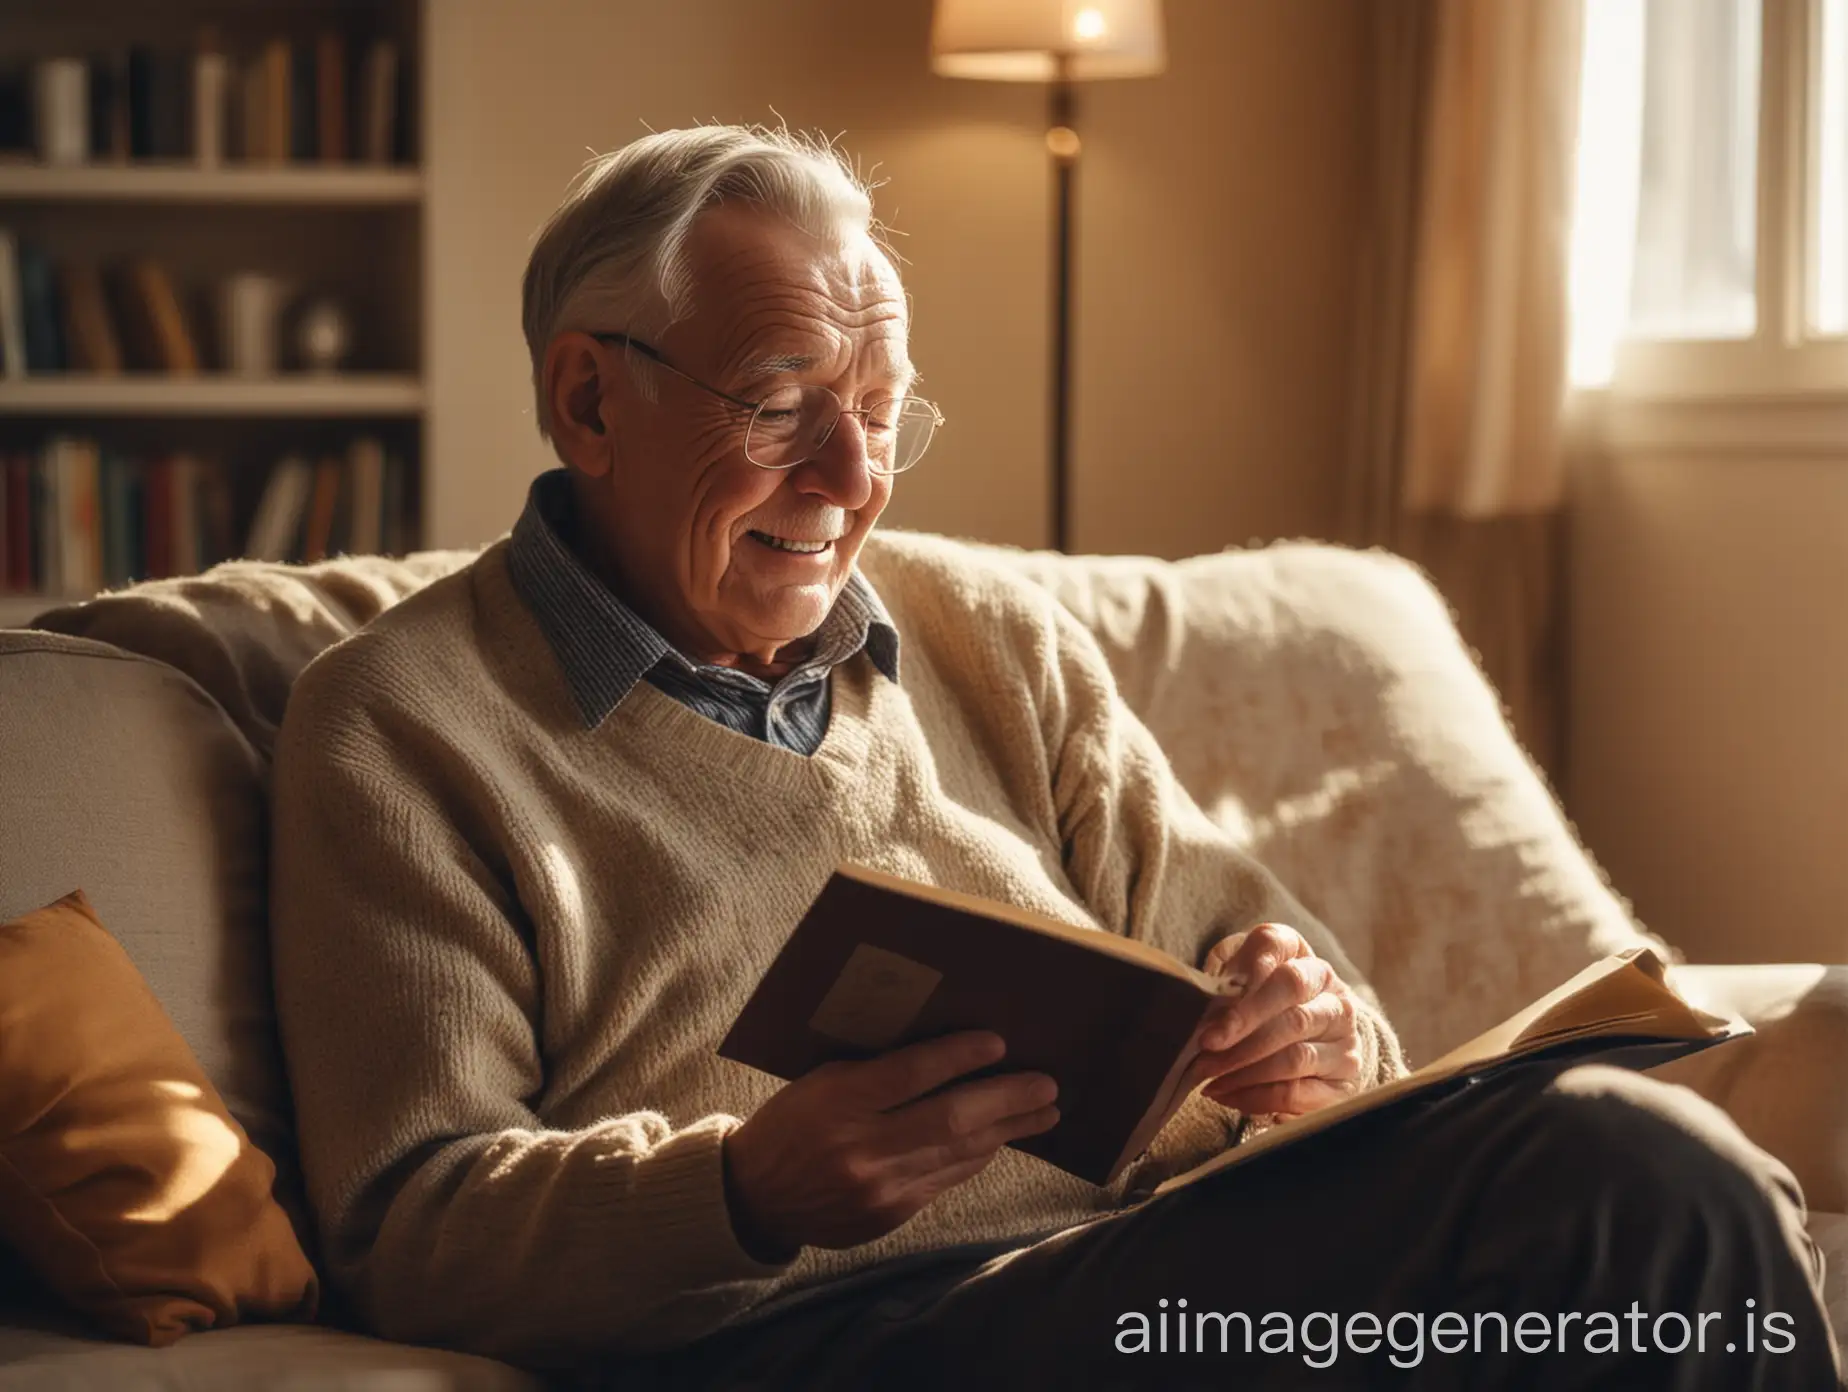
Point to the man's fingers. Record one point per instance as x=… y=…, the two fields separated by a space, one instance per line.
x=969 y=1112
x=1330 y=1015
x=1295 y=981
x=893 y=1079
x=1329 y=1060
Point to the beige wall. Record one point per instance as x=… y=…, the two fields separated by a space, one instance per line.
x=1217 y=248
x=1710 y=696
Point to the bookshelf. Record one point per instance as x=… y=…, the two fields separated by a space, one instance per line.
x=183 y=183
x=75 y=394
x=339 y=219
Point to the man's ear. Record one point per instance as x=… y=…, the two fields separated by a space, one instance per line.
x=577 y=386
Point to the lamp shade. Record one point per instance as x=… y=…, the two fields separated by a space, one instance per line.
x=1031 y=40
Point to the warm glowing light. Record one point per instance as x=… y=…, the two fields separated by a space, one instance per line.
x=1830 y=249
x=1609 y=158
x=1088 y=25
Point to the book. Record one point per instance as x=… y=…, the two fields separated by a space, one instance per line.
x=279 y=510
x=330 y=97
x=109 y=107
x=304 y=133
x=77 y=515
x=186 y=554
x=89 y=336
x=318 y=532
x=1618 y=1010
x=366 y=460
x=377 y=136
x=139 y=75
x=16 y=113
x=879 y=962
x=41 y=309
x=47 y=526
x=253 y=110
x=278 y=91
x=396 y=524
x=12 y=308
x=211 y=87
x=154 y=321
x=170 y=104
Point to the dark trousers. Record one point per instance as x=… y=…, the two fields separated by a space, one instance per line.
x=1590 y=1228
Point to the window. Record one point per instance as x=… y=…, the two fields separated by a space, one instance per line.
x=1710 y=243
x=1828 y=227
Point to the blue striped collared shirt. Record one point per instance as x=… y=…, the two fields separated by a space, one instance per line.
x=605 y=647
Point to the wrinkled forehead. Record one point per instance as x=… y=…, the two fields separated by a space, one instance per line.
x=764 y=289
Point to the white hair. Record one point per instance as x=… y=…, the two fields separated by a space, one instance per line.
x=612 y=256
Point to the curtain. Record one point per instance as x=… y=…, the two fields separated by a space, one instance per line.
x=1458 y=451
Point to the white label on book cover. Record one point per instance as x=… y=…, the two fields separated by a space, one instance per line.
x=875 y=998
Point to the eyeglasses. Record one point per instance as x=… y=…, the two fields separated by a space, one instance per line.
x=792 y=424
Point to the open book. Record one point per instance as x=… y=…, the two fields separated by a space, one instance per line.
x=1619 y=1010
x=879 y=962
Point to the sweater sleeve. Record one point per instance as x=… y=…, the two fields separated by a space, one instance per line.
x=1143 y=855
x=408 y=998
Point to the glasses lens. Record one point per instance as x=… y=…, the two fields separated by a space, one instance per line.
x=789 y=426
x=793 y=423
x=916 y=423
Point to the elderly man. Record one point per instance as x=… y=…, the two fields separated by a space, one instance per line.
x=540 y=829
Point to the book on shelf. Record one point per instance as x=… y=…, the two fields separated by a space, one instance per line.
x=19 y=574
x=330 y=60
x=153 y=319
x=366 y=459
x=77 y=517
x=329 y=98
x=90 y=338
x=304 y=83
x=109 y=124
x=350 y=504
x=280 y=511
x=879 y=962
x=12 y=310
x=39 y=306
x=380 y=126
x=211 y=102
x=16 y=145
x=318 y=539
x=278 y=94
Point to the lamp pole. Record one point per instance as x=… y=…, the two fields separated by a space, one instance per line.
x=1062 y=142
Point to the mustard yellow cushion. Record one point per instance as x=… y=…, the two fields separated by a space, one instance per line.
x=125 y=1184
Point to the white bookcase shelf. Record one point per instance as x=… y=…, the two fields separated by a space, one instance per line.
x=332 y=185
x=148 y=394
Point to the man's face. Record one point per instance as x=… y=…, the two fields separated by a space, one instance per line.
x=690 y=524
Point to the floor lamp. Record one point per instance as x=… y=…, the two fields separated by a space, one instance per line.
x=1060 y=43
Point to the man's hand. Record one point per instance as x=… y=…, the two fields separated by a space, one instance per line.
x=852 y=1150
x=1285 y=1040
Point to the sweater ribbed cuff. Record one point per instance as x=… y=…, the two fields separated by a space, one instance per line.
x=1382 y=1059
x=681 y=1218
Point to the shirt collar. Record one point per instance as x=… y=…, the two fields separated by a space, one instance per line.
x=605 y=647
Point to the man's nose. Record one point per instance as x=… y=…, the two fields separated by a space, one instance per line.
x=841 y=470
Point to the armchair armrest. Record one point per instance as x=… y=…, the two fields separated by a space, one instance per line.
x=1787 y=1085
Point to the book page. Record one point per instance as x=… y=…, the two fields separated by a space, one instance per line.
x=1624 y=995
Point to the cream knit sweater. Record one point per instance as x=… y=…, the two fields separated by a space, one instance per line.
x=506 y=946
